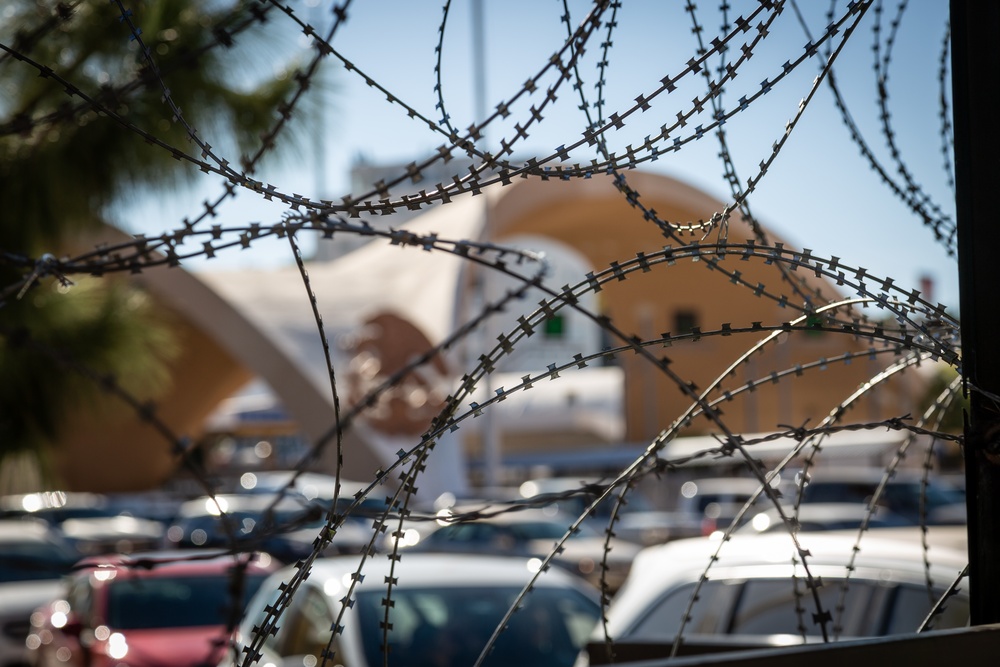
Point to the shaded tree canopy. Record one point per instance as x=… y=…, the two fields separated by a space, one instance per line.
x=72 y=146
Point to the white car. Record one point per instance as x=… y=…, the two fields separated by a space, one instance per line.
x=758 y=588
x=442 y=610
x=532 y=533
x=33 y=561
x=822 y=516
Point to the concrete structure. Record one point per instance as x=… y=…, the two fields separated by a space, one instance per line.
x=382 y=304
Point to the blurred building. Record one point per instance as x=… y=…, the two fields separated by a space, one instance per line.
x=384 y=304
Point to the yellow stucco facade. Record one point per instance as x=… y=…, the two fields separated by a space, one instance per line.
x=222 y=348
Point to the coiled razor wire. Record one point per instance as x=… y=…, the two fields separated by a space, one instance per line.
x=909 y=330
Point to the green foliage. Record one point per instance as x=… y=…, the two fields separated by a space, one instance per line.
x=64 y=165
x=952 y=420
x=103 y=326
x=61 y=172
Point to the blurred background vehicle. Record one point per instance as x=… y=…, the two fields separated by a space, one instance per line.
x=145 y=610
x=822 y=516
x=444 y=609
x=714 y=502
x=531 y=532
x=54 y=507
x=95 y=523
x=112 y=534
x=906 y=493
x=637 y=521
x=757 y=593
x=284 y=526
x=33 y=559
x=717 y=501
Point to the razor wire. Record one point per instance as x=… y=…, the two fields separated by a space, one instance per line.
x=911 y=329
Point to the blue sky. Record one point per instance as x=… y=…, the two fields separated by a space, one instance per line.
x=820 y=193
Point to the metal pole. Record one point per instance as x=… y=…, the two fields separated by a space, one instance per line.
x=490 y=438
x=975 y=66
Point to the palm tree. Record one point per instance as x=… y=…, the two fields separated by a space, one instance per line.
x=64 y=166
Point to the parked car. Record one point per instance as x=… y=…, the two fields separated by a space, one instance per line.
x=904 y=493
x=18 y=600
x=718 y=500
x=112 y=534
x=33 y=559
x=33 y=551
x=533 y=533
x=757 y=594
x=237 y=520
x=442 y=610
x=311 y=485
x=714 y=502
x=146 y=610
x=822 y=516
x=55 y=507
x=285 y=527
x=637 y=521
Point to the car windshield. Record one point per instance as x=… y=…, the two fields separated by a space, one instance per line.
x=245 y=522
x=541 y=530
x=174 y=602
x=362 y=513
x=448 y=627
x=33 y=561
x=898 y=495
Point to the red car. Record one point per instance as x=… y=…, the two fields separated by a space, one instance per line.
x=154 y=609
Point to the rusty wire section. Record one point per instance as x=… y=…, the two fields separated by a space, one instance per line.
x=880 y=322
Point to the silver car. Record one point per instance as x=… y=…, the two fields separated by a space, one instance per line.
x=757 y=593
x=442 y=610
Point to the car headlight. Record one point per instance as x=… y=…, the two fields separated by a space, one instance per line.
x=117 y=647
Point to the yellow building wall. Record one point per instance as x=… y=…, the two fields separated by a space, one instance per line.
x=599 y=223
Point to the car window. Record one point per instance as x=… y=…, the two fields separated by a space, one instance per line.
x=911 y=604
x=34 y=560
x=308 y=628
x=537 y=530
x=899 y=495
x=177 y=602
x=906 y=496
x=710 y=612
x=262 y=606
x=837 y=492
x=504 y=535
x=448 y=627
x=457 y=533
x=577 y=505
x=786 y=606
x=80 y=596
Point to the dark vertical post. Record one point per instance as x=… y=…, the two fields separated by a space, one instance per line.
x=975 y=66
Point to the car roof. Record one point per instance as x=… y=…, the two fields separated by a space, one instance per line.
x=832 y=511
x=867 y=475
x=888 y=553
x=151 y=564
x=437 y=570
x=882 y=546
x=505 y=515
x=239 y=502
x=312 y=485
x=43 y=500
x=24 y=530
x=726 y=484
